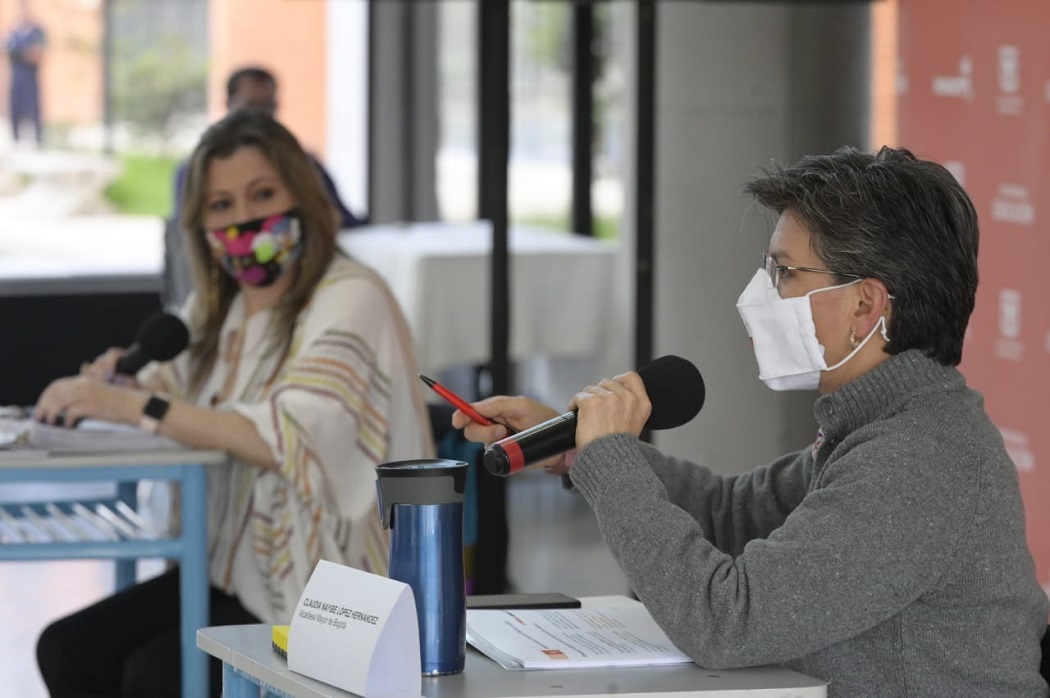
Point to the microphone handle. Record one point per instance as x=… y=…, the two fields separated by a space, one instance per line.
x=132 y=361
x=514 y=453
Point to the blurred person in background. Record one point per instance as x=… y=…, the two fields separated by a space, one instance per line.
x=25 y=49
x=253 y=87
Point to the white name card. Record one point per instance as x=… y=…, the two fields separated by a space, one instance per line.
x=357 y=631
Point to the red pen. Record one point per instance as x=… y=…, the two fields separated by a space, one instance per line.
x=457 y=401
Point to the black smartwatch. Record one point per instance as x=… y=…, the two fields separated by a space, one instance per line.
x=154 y=411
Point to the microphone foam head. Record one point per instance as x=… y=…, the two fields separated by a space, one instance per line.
x=163 y=336
x=676 y=391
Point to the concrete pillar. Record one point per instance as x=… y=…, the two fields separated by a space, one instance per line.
x=740 y=84
x=404 y=122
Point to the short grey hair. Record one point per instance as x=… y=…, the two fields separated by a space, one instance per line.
x=893 y=217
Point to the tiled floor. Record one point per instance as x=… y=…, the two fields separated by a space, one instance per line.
x=554 y=541
x=555 y=546
x=34 y=593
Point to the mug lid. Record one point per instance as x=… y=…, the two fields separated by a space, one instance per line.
x=401 y=482
x=420 y=467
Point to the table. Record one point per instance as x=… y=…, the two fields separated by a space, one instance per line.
x=190 y=547
x=250 y=662
x=561 y=286
x=101 y=254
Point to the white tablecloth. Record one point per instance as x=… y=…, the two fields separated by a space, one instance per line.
x=560 y=296
x=79 y=255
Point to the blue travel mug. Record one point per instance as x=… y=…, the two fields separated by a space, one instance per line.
x=421 y=502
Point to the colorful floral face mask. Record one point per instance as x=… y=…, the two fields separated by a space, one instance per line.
x=257 y=252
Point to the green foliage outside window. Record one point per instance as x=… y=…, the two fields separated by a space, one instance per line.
x=152 y=86
x=145 y=185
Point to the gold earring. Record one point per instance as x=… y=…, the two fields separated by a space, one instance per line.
x=853 y=338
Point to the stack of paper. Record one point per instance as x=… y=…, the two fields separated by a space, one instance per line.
x=73 y=522
x=572 y=638
x=91 y=436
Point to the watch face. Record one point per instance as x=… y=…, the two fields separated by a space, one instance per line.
x=154 y=411
x=156 y=408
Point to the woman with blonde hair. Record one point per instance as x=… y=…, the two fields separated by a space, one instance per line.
x=300 y=366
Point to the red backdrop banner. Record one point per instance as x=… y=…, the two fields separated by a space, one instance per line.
x=974 y=94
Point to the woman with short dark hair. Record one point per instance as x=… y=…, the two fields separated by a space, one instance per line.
x=888 y=557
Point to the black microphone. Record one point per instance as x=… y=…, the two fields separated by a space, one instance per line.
x=675 y=390
x=161 y=337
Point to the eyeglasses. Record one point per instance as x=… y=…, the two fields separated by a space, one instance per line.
x=776 y=271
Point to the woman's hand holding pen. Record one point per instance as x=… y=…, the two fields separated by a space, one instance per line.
x=516 y=412
x=509 y=415
x=492 y=419
x=519 y=413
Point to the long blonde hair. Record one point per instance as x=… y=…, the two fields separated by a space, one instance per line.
x=214 y=288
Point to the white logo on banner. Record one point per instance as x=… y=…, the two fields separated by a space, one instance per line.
x=1010 y=313
x=1017 y=448
x=1009 y=69
x=902 y=78
x=1008 y=346
x=960 y=85
x=1012 y=205
x=958 y=171
x=1009 y=102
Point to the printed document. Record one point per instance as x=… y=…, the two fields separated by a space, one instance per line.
x=91 y=436
x=572 y=638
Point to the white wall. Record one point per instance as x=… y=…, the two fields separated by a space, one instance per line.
x=346 y=156
x=398 y=108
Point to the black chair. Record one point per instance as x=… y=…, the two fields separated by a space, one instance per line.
x=490 y=562
x=1044 y=667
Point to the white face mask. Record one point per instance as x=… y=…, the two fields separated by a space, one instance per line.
x=784 y=337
